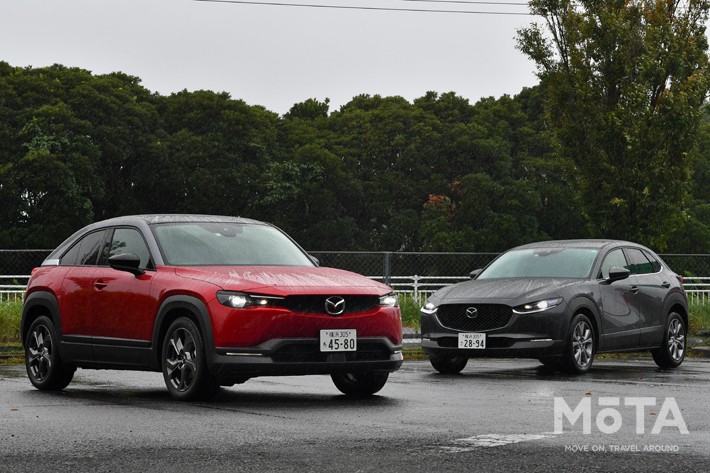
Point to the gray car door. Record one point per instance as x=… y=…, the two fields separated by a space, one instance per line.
x=619 y=305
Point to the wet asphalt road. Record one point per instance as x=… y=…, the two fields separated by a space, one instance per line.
x=498 y=415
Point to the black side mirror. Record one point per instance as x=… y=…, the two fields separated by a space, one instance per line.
x=617 y=274
x=126 y=262
x=315 y=260
x=474 y=274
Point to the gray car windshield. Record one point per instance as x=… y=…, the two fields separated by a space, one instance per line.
x=542 y=263
x=227 y=244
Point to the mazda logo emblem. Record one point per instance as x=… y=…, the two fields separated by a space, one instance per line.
x=335 y=305
x=471 y=312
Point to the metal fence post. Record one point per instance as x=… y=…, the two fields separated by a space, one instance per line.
x=387 y=270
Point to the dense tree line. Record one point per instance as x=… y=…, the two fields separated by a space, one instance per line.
x=380 y=173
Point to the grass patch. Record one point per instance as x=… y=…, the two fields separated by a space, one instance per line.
x=409 y=307
x=414 y=353
x=10 y=315
x=698 y=318
x=12 y=360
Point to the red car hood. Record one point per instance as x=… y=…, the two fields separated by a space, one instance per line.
x=285 y=280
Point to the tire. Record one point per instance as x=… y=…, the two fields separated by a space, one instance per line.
x=44 y=366
x=360 y=384
x=448 y=364
x=671 y=353
x=184 y=363
x=579 y=353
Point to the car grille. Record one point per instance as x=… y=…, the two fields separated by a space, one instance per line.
x=316 y=304
x=489 y=316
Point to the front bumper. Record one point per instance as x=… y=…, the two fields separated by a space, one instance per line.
x=302 y=356
x=497 y=346
x=523 y=336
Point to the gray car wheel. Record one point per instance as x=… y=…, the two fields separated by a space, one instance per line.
x=671 y=353
x=447 y=364
x=579 y=353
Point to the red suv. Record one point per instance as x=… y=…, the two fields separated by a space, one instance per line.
x=209 y=301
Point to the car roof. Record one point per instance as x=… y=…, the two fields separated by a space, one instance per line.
x=142 y=221
x=582 y=243
x=174 y=218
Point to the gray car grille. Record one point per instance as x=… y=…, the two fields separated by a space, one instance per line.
x=488 y=316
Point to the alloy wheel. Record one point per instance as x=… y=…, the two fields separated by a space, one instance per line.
x=180 y=360
x=582 y=344
x=676 y=340
x=40 y=353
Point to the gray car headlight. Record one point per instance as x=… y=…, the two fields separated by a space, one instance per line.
x=537 y=306
x=429 y=308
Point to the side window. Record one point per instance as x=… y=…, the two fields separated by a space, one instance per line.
x=129 y=240
x=613 y=259
x=638 y=263
x=86 y=251
x=654 y=262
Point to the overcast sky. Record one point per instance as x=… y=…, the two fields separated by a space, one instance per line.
x=276 y=56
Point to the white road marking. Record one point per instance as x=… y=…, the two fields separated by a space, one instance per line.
x=490 y=440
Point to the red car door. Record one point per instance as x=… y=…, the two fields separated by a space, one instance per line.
x=77 y=285
x=76 y=291
x=123 y=309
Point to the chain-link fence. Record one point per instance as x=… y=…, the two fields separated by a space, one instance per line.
x=406 y=272
x=389 y=264
x=15 y=268
x=688 y=265
x=16 y=265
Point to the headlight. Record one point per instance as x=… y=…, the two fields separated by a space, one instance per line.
x=538 y=306
x=240 y=300
x=429 y=308
x=389 y=300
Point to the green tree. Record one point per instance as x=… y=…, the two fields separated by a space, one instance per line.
x=482 y=214
x=389 y=146
x=693 y=233
x=306 y=189
x=209 y=155
x=537 y=160
x=68 y=143
x=625 y=82
x=47 y=191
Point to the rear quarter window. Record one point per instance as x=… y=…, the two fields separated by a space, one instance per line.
x=638 y=262
x=86 y=251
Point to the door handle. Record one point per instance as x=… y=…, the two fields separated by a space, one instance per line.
x=100 y=284
x=635 y=289
x=666 y=284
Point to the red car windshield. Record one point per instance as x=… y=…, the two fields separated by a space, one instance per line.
x=227 y=244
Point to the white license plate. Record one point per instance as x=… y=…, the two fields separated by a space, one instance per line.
x=338 y=340
x=472 y=341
